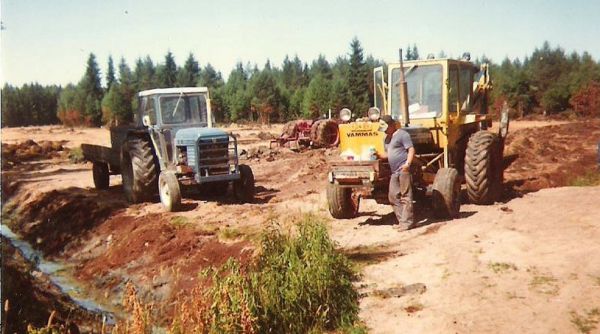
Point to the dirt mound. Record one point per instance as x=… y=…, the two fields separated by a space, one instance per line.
x=32 y=297
x=50 y=221
x=13 y=154
x=551 y=156
x=161 y=255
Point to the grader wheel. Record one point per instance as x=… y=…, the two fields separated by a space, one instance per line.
x=342 y=203
x=446 y=193
x=483 y=168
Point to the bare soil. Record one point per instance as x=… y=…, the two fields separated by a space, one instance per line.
x=524 y=264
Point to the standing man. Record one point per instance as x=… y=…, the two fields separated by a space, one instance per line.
x=400 y=152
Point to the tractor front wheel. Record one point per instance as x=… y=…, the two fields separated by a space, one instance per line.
x=101 y=175
x=342 y=203
x=244 y=187
x=446 y=193
x=170 y=193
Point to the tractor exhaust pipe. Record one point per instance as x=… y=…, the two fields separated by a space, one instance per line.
x=403 y=93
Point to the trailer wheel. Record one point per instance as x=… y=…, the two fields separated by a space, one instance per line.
x=168 y=188
x=483 y=168
x=324 y=133
x=139 y=170
x=342 y=204
x=446 y=193
x=243 y=188
x=101 y=175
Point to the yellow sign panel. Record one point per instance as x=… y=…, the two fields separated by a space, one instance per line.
x=359 y=137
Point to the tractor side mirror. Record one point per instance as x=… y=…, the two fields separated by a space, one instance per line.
x=147 y=121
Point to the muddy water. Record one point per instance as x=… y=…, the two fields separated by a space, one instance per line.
x=58 y=274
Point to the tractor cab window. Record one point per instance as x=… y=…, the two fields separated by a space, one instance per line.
x=460 y=85
x=150 y=109
x=424 y=83
x=452 y=86
x=466 y=88
x=178 y=109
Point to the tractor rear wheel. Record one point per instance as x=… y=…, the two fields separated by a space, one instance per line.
x=101 y=175
x=342 y=204
x=324 y=133
x=170 y=193
x=139 y=170
x=483 y=168
x=446 y=193
x=290 y=129
x=244 y=188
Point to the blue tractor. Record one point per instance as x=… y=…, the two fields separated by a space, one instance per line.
x=171 y=144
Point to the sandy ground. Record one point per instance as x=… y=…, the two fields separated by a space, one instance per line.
x=523 y=265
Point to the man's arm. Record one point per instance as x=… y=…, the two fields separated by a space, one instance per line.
x=409 y=158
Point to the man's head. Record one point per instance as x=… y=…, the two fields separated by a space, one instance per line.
x=391 y=124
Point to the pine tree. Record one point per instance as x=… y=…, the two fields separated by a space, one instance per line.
x=110 y=73
x=236 y=100
x=189 y=74
x=408 y=53
x=168 y=72
x=317 y=99
x=415 y=52
x=320 y=67
x=91 y=89
x=357 y=81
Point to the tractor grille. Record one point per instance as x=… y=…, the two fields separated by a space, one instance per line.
x=215 y=156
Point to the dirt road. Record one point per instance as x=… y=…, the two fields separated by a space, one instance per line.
x=525 y=264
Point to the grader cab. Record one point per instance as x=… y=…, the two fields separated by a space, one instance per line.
x=443 y=105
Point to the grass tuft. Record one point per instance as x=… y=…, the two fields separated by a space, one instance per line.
x=590 y=179
x=76 y=155
x=586 y=322
x=501 y=267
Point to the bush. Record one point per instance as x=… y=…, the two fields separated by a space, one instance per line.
x=586 y=101
x=297 y=284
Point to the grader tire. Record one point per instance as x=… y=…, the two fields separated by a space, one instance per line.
x=483 y=168
x=101 y=175
x=446 y=193
x=324 y=133
x=139 y=170
x=341 y=203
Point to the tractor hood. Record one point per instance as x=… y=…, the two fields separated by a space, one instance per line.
x=189 y=136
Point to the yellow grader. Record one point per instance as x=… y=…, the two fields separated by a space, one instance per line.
x=443 y=105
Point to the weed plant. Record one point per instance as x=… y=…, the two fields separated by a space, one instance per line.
x=297 y=284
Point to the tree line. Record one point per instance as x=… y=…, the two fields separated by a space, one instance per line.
x=548 y=81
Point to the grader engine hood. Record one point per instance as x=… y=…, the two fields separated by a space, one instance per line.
x=357 y=139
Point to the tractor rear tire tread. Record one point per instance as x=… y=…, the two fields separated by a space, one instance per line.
x=139 y=170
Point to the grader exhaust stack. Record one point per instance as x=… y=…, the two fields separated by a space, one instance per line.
x=403 y=93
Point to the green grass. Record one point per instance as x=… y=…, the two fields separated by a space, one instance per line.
x=298 y=283
x=501 y=267
x=76 y=155
x=590 y=179
x=180 y=222
x=545 y=284
x=229 y=233
x=586 y=322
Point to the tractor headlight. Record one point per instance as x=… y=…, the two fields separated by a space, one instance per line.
x=345 y=114
x=374 y=114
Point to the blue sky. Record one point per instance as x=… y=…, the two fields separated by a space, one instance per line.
x=49 y=41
